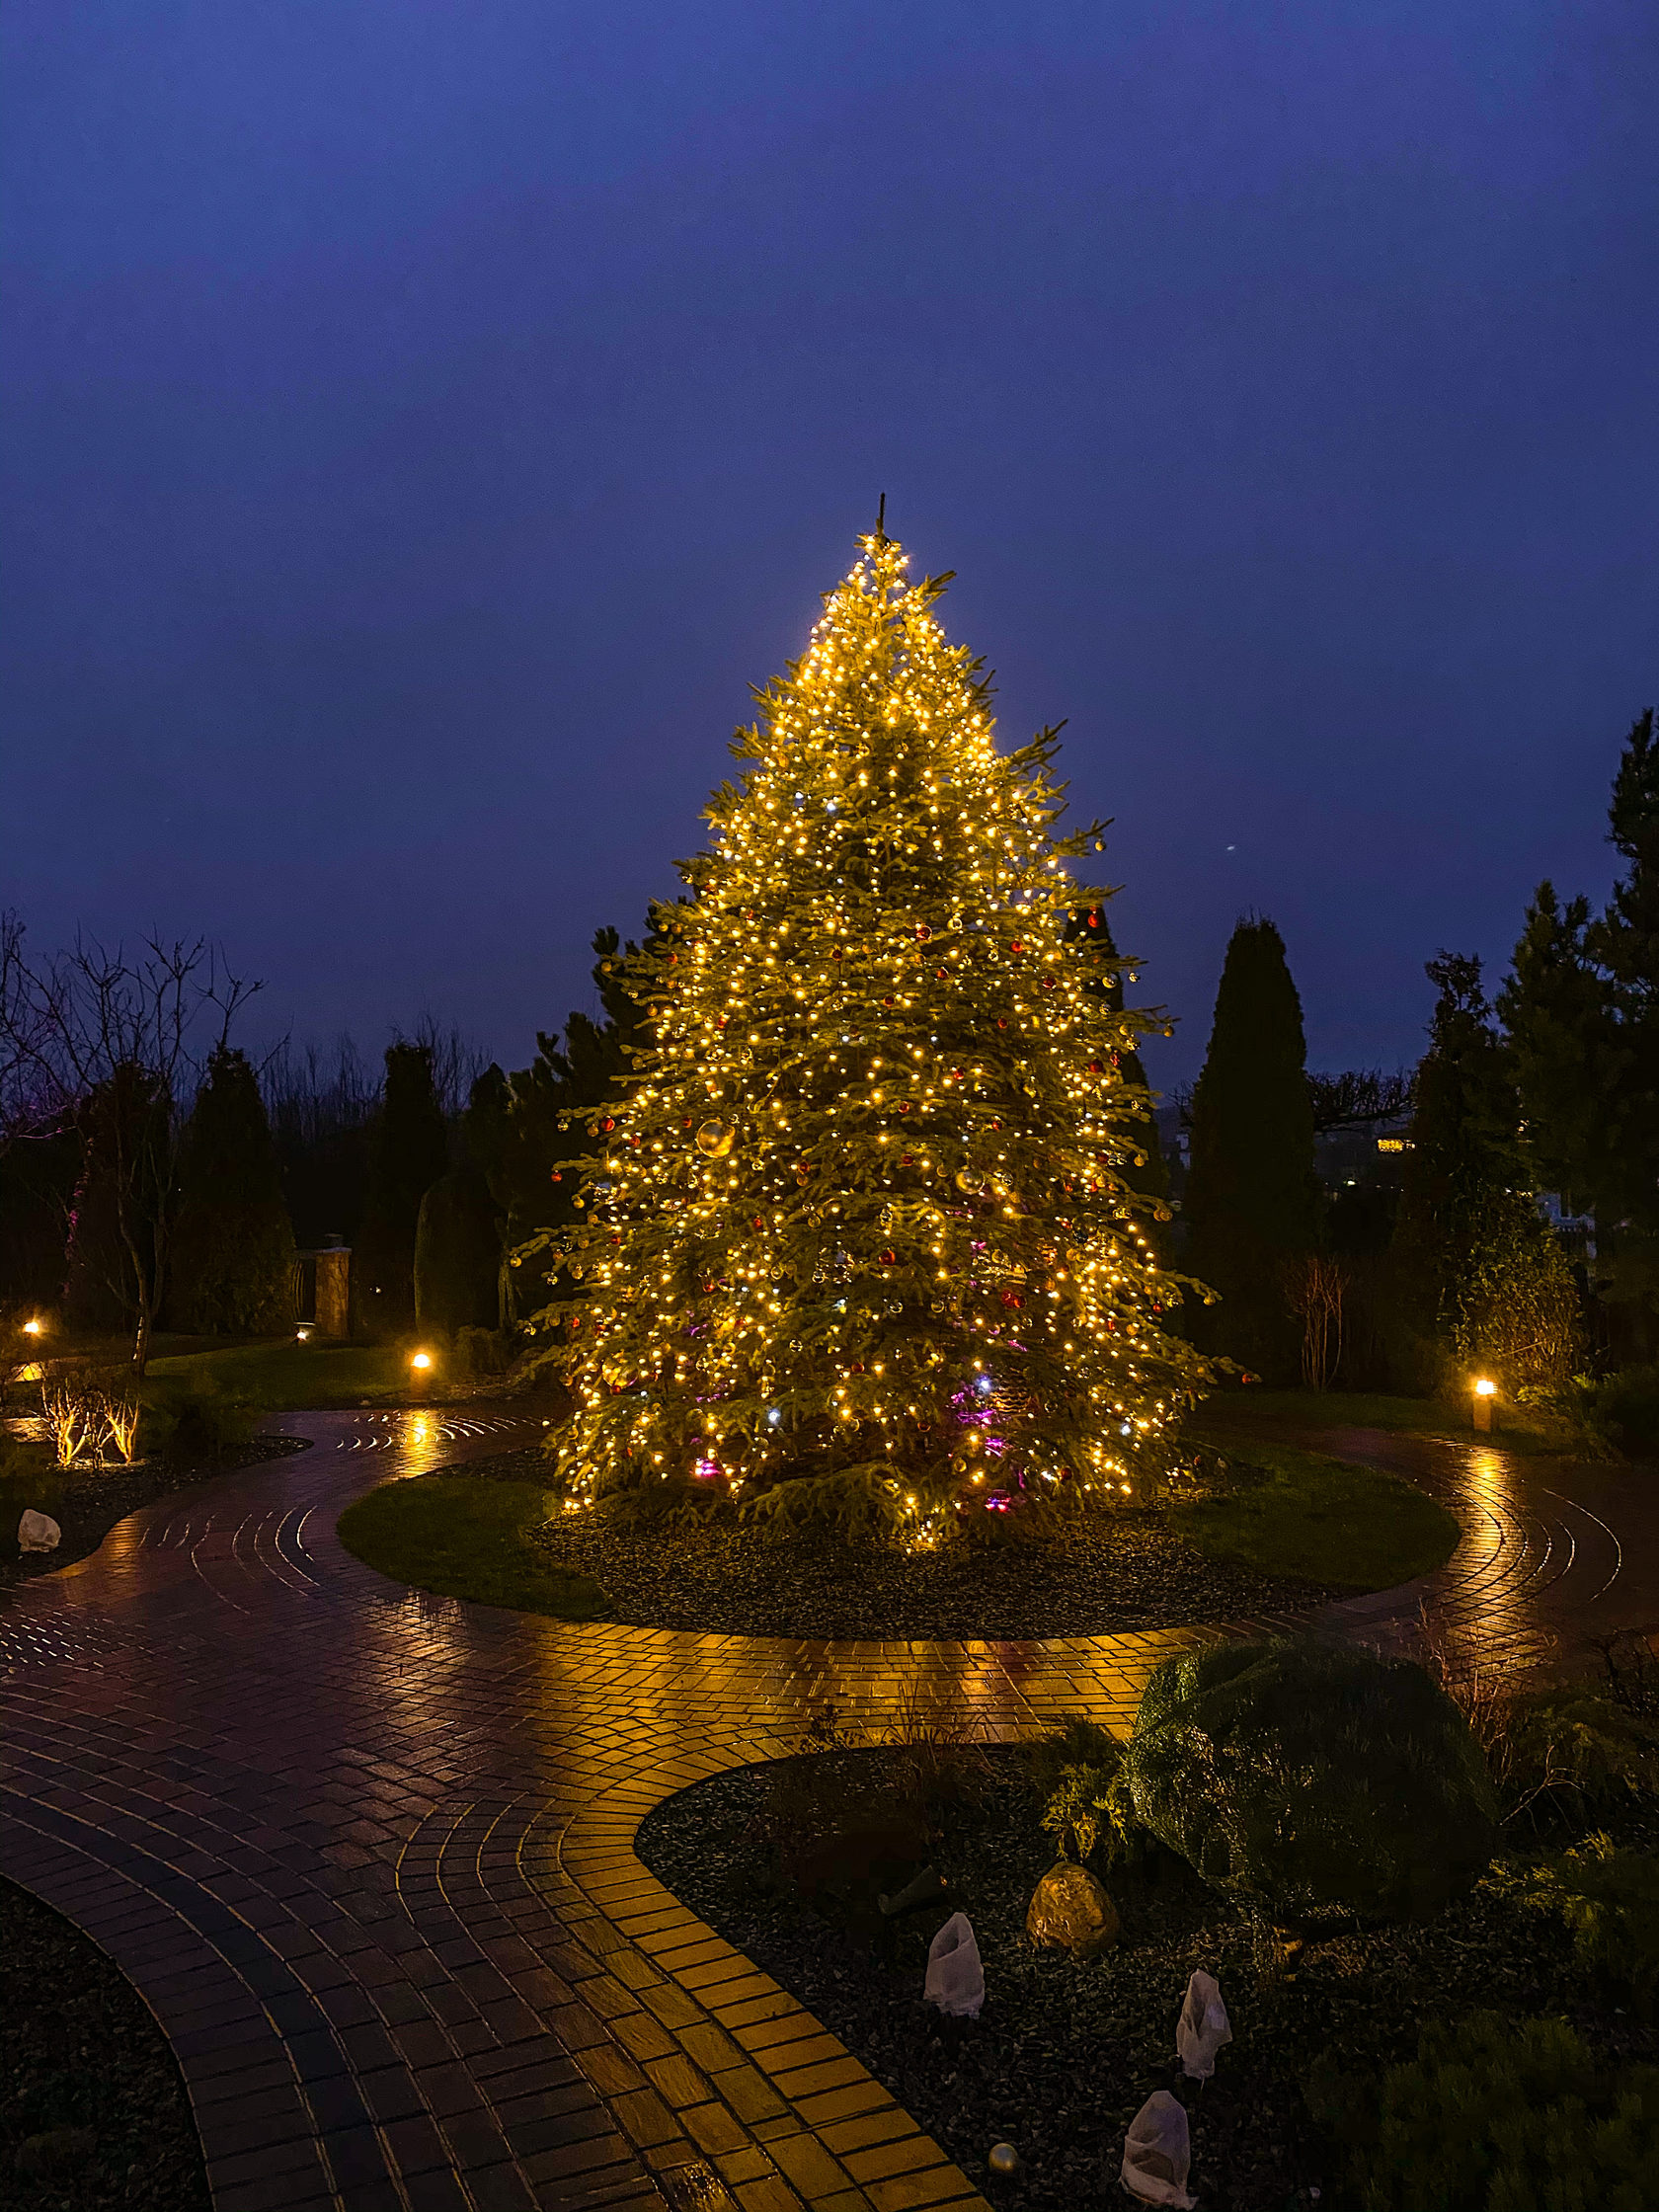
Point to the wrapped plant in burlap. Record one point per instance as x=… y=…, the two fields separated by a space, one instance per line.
x=1314 y=1784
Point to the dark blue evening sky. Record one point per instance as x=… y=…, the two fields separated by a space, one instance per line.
x=422 y=423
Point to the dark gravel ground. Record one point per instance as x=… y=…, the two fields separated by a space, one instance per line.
x=93 y=2110
x=1128 y=1572
x=89 y=1505
x=1066 y=2053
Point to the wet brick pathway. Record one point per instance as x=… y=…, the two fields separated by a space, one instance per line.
x=368 y=1855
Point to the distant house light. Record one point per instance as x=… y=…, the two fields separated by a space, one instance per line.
x=1394 y=1144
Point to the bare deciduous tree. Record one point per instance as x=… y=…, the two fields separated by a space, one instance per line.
x=112 y=1045
x=1317 y=1287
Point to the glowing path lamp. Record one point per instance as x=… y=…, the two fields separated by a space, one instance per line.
x=1485 y=1402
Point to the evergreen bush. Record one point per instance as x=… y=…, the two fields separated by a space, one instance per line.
x=1496 y=2115
x=409 y=1151
x=194 y=1424
x=458 y=1254
x=1578 y=1744
x=1313 y=1782
x=1625 y=1408
x=1607 y=1900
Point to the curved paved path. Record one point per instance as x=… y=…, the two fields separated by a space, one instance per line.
x=368 y=1855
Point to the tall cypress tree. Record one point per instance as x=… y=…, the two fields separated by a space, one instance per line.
x=409 y=1151
x=1558 y=1012
x=1252 y=1201
x=1582 y=1015
x=1626 y=942
x=233 y=1246
x=1479 y=1275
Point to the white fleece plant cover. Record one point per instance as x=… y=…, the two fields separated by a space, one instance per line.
x=955 y=1978
x=1157 y=2151
x=1201 y=2028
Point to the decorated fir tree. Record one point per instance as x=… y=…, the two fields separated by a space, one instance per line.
x=861 y=1230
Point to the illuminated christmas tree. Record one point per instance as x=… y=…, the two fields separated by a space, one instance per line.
x=863 y=1228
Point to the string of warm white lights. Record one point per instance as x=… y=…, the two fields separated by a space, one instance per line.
x=864 y=1203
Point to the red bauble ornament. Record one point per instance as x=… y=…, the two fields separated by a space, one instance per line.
x=607 y=1124
x=1095 y=1067
x=889 y=1259
x=1016 y=946
x=922 y=932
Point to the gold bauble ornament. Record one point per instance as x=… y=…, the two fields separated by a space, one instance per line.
x=715 y=1139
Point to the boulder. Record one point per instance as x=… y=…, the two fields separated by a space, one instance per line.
x=1070 y=1909
x=38 y=1532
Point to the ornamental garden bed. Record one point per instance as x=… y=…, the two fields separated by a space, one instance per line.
x=1279 y=1537
x=86 y=1502
x=93 y=2113
x=777 y=1859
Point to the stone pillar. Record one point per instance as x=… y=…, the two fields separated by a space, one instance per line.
x=334 y=1291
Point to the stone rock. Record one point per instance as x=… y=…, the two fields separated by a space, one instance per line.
x=38 y=1532
x=1070 y=1909
x=926 y=1888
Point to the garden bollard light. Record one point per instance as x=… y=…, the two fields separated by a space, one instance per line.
x=1485 y=1394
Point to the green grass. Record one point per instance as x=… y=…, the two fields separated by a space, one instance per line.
x=285 y=1375
x=1241 y=1410
x=1298 y=1513
x=465 y=1536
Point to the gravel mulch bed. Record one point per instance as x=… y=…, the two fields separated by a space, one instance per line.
x=1066 y=2053
x=1129 y=1572
x=93 y=2110
x=88 y=1507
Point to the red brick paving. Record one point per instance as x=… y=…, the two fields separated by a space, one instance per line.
x=368 y=1855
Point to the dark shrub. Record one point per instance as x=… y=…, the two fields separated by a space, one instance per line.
x=1608 y=1901
x=1625 y=1407
x=481 y=1354
x=1496 y=2115
x=194 y=1424
x=233 y=1248
x=457 y=1255
x=1314 y=1782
